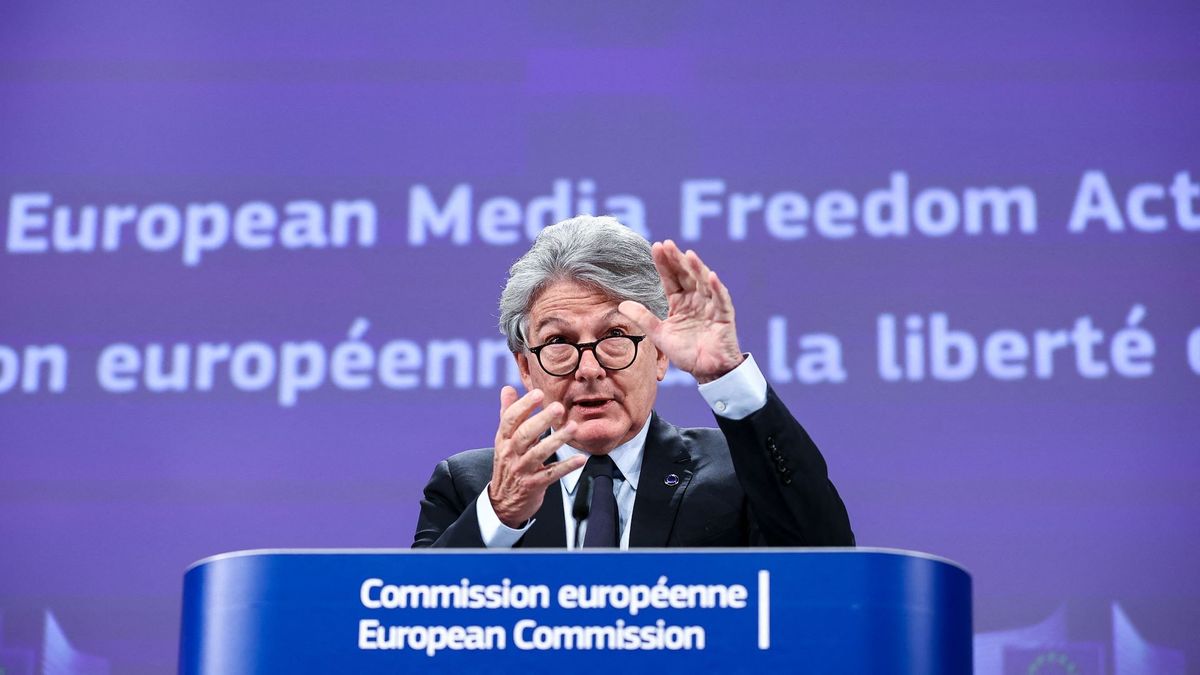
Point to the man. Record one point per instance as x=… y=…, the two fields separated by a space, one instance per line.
x=593 y=314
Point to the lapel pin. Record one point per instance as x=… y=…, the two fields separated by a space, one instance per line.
x=671 y=480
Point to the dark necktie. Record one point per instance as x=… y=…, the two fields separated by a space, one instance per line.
x=602 y=520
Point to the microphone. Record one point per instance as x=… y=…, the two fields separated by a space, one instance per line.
x=582 y=506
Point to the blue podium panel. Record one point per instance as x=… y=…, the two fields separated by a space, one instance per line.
x=796 y=610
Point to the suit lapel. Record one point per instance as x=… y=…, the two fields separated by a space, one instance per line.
x=657 y=503
x=550 y=529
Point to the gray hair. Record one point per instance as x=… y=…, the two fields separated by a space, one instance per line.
x=596 y=251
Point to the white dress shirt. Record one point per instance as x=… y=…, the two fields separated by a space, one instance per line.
x=734 y=395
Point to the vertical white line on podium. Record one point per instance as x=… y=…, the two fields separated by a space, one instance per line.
x=764 y=609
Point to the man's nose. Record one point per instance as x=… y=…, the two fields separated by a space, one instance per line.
x=589 y=368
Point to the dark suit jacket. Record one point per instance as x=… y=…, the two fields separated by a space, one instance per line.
x=756 y=481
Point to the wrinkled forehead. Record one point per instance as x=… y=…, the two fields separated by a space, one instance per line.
x=576 y=322
x=571 y=304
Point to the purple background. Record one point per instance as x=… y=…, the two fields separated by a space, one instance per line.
x=1064 y=492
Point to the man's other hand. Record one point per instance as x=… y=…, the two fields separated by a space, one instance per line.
x=519 y=472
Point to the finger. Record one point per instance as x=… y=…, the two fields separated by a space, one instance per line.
x=670 y=268
x=550 y=473
x=637 y=313
x=508 y=396
x=538 y=454
x=528 y=432
x=679 y=267
x=698 y=271
x=666 y=272
x=723 y=305
x=516 y=413
x=696 y=265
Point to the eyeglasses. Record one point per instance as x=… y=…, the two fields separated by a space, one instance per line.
x=561 y=359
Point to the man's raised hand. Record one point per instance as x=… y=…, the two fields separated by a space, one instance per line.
x=698 y=335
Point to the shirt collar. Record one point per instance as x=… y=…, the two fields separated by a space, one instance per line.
x=627 y=456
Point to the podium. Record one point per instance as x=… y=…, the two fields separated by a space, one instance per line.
x=652 y=610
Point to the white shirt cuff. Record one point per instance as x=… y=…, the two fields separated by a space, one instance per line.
x=495 y=534
x=738 y=393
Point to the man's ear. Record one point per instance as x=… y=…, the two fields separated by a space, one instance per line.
x=522 y=359
x=660 y=363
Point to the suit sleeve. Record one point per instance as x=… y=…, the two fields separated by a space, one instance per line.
x=791 y=499
x=447 y=518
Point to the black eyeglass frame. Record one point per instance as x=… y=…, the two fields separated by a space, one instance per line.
x=584 y=347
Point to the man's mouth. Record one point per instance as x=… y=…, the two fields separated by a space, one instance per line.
x=589 y=404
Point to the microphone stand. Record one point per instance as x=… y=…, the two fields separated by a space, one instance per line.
x=582 y=506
